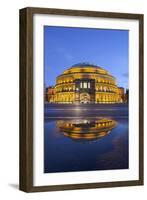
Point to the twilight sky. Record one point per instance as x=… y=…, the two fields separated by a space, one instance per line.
x=65 y=46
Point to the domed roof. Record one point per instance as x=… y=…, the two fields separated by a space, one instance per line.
x=85 y=67
x=85 y=64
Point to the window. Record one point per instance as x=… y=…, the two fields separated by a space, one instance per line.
x=85 y=85
x=81 y=85
x=88 y=85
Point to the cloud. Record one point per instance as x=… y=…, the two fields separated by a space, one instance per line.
x=68 y=56
x=125 y=75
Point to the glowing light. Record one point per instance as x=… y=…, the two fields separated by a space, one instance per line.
x=81 y=75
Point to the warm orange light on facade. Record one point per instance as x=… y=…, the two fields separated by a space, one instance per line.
x=85 y=83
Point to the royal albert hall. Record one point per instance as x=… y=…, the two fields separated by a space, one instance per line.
x=86 y=83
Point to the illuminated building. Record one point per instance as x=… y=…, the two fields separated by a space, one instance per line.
x=50 y=94
x=85 y=130
x=86 y=83
x=121 y=94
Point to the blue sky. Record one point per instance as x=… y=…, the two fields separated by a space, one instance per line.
x=66 y=46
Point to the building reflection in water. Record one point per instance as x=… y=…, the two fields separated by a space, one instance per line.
x=86 y=130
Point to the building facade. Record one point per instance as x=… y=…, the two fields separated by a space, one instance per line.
x=50 y=94
x=121 y=93
x=85 y=83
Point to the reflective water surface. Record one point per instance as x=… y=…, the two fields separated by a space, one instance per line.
x=85 y=143
x=86 y=129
